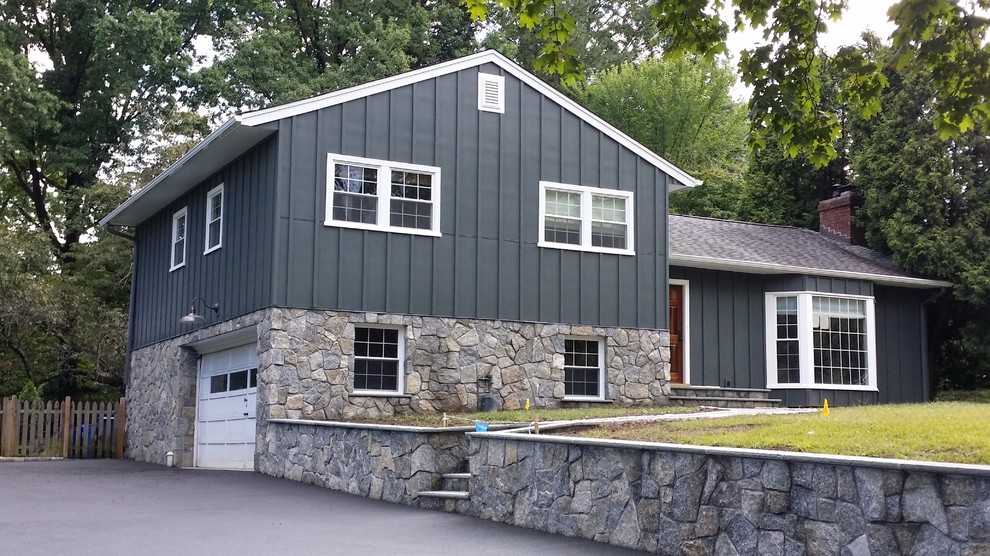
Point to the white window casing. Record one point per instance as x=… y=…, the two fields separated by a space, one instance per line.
x=576 y=382
x=352 y=205
x=588 y=215
x=371 y=379
x=491 y=93
x=806 y=327
x=180 y=232
x=214 y=219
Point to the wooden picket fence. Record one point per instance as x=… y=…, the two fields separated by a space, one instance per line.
x=67 y=429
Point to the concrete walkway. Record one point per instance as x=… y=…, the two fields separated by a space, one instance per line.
x=703 y=413
x=112 y=507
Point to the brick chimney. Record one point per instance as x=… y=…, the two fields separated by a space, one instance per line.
x=836 y=218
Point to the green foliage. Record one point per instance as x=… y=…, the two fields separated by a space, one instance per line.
x=605 y=34
x=680 y=109
x=947 y=38
x=928 y=204
x=29 y=393
x=287 y=50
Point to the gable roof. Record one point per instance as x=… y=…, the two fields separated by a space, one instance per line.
x=246 y=130
x=766 y=249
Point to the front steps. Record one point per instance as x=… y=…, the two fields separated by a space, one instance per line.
x=454 y=495
x=713 y=396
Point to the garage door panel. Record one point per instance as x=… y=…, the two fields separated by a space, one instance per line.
x=226 y=423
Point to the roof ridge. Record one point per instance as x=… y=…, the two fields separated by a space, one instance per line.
x=784 y=226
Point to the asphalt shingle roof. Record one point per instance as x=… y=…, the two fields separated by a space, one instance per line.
x=745 y=242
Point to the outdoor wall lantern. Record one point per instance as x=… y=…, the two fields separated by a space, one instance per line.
x=193 y=317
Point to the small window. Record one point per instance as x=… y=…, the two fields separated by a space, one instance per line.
x=178 y=240
x=238 y=380
x=491 y=93
x=382 y=195
x=816 y=341
x=378 y=359
x=583 y=369
x=586 y=218
x=218 y=384
x=214 y=219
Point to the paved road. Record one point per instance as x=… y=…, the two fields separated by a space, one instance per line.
x=110 y=507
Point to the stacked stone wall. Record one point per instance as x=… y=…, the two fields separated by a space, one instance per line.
x=384 y=463
x=686 y=501
x=306 y=364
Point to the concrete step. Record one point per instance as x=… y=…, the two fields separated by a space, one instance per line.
x=724 y=402
x=456 y=475
x=717 y=392
x=448 y=494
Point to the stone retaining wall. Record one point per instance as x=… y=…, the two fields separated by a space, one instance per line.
x=306 y=364
x=380 y=462
x=692 y=500
x=665 y=499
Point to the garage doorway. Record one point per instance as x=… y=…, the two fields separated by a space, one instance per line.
x=226 y=409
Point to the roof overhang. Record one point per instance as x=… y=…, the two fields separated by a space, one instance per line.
x=240 y=133
x=750 y=267
x=223 y=146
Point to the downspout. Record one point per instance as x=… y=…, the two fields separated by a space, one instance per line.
x=926 y=376
x=130 y=321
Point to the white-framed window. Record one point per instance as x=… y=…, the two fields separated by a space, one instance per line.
x=586 y=218
x=584 y=368
x=491 y=93
x=379 y=359
x=214 y=219
x=179 y=227
x=820 y=340
x=380 y=195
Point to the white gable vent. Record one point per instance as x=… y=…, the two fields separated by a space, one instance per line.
x=491 y=93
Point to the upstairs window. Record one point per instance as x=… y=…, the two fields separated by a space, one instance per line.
x=821 y=341
x=586 y=218
x=178 y=240
x=381 y=195
x=214 y=219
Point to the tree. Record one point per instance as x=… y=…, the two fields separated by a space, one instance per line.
x=680 y=109
x=606 y=33
x=292 y=49
x=948 y=38
x=80 y=82
x=927 y=203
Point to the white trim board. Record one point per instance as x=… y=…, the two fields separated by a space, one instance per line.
x=259 y=117
x=752 y=267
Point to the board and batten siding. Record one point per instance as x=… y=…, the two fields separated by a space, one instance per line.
x=727 y=332
x=487 y=263
x=238 y=276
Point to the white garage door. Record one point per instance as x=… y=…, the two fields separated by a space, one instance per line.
x=226 y=413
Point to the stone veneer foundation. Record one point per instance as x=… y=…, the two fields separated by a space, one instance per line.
x=306 y=362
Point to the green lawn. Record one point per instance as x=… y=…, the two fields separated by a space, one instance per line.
x=944 y=431
x=977 y=396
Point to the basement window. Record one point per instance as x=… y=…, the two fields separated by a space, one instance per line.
x=584 y=370
x=379 y=356
x=821 y=341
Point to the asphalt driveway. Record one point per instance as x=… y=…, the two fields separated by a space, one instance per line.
x=111 y=507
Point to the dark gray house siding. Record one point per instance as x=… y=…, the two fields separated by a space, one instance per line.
x=487 y=263
x=237 y=276
x=727 y=334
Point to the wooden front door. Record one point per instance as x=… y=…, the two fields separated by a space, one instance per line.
x=676 y=325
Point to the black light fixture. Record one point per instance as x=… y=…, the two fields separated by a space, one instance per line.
x=193 y=317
